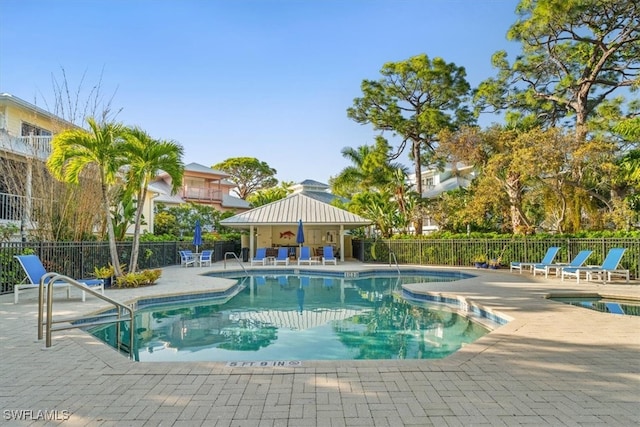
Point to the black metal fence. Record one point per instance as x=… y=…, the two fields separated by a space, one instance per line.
x=79 y=259
x=464 y=252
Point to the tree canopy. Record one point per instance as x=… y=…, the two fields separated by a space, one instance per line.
x=146 y=157
x=268 y=195
x=249 y=174
x=415 y=99
x=575 y=55
x=75 y=150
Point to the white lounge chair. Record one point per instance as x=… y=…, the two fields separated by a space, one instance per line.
x=577 y=261
x=328 y=256
x=34 y=270
x=605 y=271
x=548 y=259
x=305 y=256
x=261 y=256
x=283 y=256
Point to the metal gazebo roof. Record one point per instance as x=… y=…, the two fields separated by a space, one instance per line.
x=291 y=209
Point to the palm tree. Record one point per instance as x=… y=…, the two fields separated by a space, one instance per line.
x=349 y=180
x=146 y=158
x=76 y=150
x=378 y=206
x=371 y=169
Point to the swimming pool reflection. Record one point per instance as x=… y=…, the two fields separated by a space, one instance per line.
x=303 y=318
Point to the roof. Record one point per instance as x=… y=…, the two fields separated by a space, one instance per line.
x=197 y=167
x=229 y=201
x=313 y=183
x=163 y=192
x=293 y=208
x=323 y=196
x=24 y=104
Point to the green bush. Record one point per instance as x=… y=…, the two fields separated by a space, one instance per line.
x=140 y=278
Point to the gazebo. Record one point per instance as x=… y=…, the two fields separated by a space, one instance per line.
x=276 y=224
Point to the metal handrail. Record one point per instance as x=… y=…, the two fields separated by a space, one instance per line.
x=237 y=259
x=50 y=279
x=393 y=254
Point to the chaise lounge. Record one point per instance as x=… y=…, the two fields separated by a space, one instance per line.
x=548 y=259
x=34 y=270
x=328 y=256
x=305 y=256
x=283 y=256
x=577 y=261
x=261 y=256
x=605 y=271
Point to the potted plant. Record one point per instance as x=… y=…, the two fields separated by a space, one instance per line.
x=480 y=261
x=105 y=273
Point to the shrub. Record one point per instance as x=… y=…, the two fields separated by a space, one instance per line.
x=103 y=272
x=141 y=278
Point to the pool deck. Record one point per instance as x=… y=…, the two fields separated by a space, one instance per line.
x=553 y=364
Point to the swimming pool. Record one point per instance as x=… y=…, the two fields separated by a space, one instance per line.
x=603 y=305
x=294 y=317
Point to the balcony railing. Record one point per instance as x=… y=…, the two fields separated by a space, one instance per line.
x=201 y=194
x=14 y=207
x=31 y=146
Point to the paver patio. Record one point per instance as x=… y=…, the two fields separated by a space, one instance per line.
x=553 y=364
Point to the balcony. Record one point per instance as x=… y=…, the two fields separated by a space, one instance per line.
x=16 y=208
x=38 y=147
x=200 y=194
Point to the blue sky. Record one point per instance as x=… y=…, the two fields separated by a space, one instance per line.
x=270 y=79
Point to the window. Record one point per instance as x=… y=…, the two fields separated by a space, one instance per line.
x=28 y=129
x=427 y=182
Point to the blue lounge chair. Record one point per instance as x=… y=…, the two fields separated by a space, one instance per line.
x=187 y=258
x=305 y=281
x=205 y=258
x=577 y=261
x=548 y=259
x=305 y=256
x=608 y=268
x=283 y=281
x=327 y=256
x=261 y=256
x=283 y=256
x=614 y=308
x=34 y=270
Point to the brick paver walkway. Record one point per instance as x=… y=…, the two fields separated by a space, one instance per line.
x=554 y=364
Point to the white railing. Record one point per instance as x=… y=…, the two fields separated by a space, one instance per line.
x=14 y=207
x=201 y=194
x=31 y=146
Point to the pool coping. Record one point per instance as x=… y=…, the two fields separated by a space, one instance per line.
x=466 y=306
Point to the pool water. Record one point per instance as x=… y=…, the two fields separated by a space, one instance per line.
x=629 y=308
x=294 y=318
